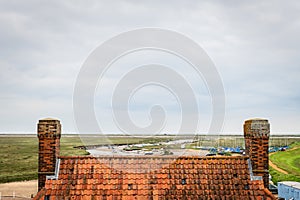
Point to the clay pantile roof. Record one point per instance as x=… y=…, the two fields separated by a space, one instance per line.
x=165 y=177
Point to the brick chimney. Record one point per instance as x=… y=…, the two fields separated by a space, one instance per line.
x=49 y=132
x=257 y=133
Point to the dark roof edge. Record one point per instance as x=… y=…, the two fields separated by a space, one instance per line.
x=40 y=194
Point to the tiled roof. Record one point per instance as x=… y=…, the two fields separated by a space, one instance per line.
x=164 y=177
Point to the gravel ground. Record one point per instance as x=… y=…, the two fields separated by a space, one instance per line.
x=18 y=190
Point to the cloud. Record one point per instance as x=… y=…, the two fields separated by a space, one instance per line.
x=254 y=45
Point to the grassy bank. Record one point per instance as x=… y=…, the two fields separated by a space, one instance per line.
x=277 y=176
x=19 y=156
x=289 y=161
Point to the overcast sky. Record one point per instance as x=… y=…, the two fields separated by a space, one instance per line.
x=255 y=46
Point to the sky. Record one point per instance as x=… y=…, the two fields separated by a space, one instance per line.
x=254 y=45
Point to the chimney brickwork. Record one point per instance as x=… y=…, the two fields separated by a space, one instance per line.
x=49 y=133
x=257 y=133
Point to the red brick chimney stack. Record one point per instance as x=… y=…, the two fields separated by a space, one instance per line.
x=257 y=133
x=49 y=132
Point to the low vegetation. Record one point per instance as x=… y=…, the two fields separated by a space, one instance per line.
x=289 y=161
x=278 y=177
x=19 y=156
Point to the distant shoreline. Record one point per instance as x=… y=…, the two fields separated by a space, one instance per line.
x=142 y=135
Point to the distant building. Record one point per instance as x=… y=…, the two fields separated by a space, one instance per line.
x=289 y=190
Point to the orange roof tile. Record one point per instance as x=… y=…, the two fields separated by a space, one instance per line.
x=166 y=177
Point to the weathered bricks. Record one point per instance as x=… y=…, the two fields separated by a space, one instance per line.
x=257 y=133
x=48 y=132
